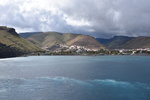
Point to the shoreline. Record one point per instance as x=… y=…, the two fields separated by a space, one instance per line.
x=72 y=55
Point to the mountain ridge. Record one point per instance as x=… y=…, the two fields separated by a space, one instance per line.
x=50 y=39
x=116 y=42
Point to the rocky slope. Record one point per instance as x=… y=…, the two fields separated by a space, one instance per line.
x=11 y=44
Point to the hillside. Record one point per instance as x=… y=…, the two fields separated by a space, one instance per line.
x=11 y=44
x=116 y=42
x=28 y=34
x=49 y=40
x=138 y=42
x=124 y=42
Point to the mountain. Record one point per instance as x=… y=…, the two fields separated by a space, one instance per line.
x=124 y=42
x=116 y=42
x=11 y=44
x=49 y=40
x=138 y=42
x=28 y=34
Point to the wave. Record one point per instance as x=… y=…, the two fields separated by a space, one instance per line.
x=55 y=88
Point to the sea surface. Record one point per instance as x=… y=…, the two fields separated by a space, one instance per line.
x=75 y=78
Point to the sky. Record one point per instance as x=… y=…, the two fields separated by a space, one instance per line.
x=99 y=18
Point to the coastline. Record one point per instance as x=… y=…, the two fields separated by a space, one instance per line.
x=28 y=55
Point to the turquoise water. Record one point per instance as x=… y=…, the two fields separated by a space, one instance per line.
x=75 y=78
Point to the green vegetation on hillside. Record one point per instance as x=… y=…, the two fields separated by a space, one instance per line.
x=13 y=45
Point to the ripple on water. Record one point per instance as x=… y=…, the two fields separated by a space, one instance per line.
x=62 y=88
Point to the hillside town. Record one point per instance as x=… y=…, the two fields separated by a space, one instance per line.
x=61 y=49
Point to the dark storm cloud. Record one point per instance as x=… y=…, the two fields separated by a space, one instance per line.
x=94 y=17
x=122 y=17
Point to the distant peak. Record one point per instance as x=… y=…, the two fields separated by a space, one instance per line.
x=120 y=36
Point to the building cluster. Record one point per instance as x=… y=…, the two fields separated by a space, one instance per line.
x=74 y=48
x=133 y=51
x=61 y=48
x=66 y=48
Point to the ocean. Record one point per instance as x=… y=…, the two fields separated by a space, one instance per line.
x=75 y=78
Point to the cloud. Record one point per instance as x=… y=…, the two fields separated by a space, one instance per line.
x=94 y=17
